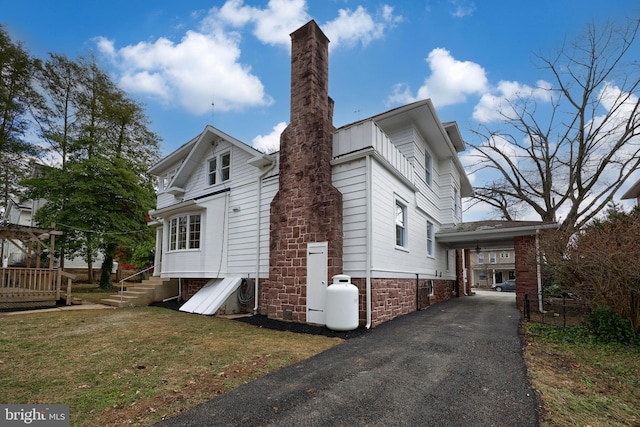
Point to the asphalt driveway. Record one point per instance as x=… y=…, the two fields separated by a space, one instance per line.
x=458 y=363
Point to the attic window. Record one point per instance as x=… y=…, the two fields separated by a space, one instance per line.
x=220 y=168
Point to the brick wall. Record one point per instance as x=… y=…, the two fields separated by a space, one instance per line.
x=391 y=298
x=191 y=286
x=307 y=208
x=526 y=269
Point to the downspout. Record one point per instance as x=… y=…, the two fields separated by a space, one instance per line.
x=369 y=260
x=258 y=225
x=538 y=273
x=417 y=291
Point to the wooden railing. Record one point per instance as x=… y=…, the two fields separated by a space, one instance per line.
x=29 y=284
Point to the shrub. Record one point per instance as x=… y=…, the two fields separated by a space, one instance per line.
x=607 y=326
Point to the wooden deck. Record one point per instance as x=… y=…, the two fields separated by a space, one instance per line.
x=29 y=287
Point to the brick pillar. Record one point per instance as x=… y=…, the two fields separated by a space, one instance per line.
x=526 y=268
x=307 y=207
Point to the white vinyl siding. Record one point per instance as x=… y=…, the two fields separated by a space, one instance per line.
x=350 y=180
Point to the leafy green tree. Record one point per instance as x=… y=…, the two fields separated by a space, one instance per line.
x=17 y=97
x=102 y=203
x=102 y=192
x=58 y=80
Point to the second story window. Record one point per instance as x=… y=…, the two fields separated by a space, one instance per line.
x=456 y=203
x=492 y=257
x=480 y=258
x=429 y=238
x=401 y=224
x=427 y=168
x=220 y=169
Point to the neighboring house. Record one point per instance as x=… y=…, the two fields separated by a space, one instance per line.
x=633 y=193
x=23 y=213
x=495 y=265
x=19 y=214
x=364 y=200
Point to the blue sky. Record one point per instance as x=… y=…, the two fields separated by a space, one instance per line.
x=179 y=57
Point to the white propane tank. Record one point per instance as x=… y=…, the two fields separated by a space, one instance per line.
x=342 y=304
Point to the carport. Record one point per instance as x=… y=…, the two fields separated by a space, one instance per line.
x=521 y=235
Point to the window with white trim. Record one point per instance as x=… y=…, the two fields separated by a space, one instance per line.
x=505 y=255
x=492 y=257
x=220 y=168
x=456 y=203
x=427 y=168
x=184 y=232
x=165 y=180
x=401 y=224
x=429 y=238
x=480 y=258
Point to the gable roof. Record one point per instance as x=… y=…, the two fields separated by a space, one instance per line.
x=191 y=153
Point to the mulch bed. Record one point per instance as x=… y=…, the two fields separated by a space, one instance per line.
x=262 y=321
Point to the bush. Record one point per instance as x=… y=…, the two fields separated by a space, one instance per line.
x=607 y=326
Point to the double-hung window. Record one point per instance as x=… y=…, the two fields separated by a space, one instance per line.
x=219 y=168
x=429 y=238
x=428 y=164
x=184 y=232
x=456 y=203
x=401 y=224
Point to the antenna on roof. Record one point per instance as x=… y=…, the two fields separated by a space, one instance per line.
x=357 y=114
x=213 y=112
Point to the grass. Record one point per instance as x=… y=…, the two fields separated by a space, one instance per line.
x=581 y=382
x=138 y=365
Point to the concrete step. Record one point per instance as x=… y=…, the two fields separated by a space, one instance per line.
x=116 y=302
x=142 y=294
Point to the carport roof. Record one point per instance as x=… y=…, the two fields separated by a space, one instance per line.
x=489 y=234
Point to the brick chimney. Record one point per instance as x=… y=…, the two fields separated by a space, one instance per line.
x=307 y=207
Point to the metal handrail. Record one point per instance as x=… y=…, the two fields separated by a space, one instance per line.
x=133 y=275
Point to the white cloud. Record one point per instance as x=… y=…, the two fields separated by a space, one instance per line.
x=270 y=143
x=359 y=26
x=199 y=70
x=494 y=105
x=462 y=8
x=450 y=81
x=272 y=25
x=205 y=66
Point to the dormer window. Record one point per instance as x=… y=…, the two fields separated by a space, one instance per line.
x=220 y=168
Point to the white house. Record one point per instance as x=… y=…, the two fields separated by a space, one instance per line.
x=365 y=200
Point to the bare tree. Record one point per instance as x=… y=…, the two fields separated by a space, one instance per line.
x=568 y=146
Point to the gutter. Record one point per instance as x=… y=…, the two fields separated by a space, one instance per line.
x=258 y=215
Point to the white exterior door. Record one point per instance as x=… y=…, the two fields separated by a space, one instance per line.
x=317 y=267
